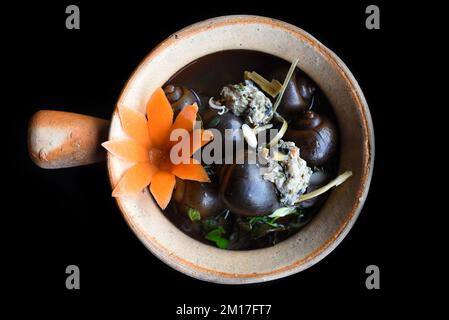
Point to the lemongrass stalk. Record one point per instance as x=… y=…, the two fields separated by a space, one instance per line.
x=334 y=183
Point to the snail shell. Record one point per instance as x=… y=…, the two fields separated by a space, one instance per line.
x=315 y=135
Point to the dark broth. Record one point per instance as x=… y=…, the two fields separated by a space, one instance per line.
x=207 y=76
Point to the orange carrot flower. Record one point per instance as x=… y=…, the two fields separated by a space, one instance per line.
x=149 y=146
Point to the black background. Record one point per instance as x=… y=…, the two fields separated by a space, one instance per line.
x=68 y=216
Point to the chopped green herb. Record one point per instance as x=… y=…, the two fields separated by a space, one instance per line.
x=213 y=222
x=265 y=220
x=216 y=236
x=253 y=220
x=194 y=214
x=262 y=229
x=214 y=122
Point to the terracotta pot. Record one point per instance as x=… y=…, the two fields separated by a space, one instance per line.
x=61 y=140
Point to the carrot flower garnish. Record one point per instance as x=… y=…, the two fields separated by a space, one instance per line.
x=149 y=148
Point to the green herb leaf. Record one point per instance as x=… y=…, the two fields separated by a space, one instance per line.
x=222 y=243
x=216 y=236
x=214 y=122
x=264 y=220
x=213 y=222
x=273 y=224
x=261 y=229
x=194 y=214
x=254 y=220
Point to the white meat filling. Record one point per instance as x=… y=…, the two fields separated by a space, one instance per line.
x=245 y=99
x=289 y=172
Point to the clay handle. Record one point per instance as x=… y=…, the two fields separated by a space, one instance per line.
x=59 y=139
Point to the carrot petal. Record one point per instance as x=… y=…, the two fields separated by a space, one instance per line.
x=161 y=187
x=135 y=125
x=127 y=150
x=160 y=117
x=135 y=179
x=190 y=171
x=199 y=138
x=186 y=118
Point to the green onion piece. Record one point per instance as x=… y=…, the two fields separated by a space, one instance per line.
x=279 y=156
x=284 y=85
x=282 y=212
x=272 y=88
x=334 y=183
x=280 y=133
x=277 y=84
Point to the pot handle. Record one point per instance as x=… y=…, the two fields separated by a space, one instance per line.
x=58 y=139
